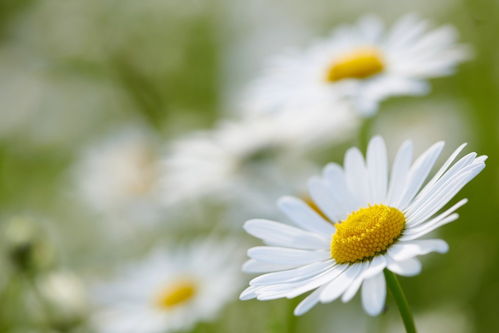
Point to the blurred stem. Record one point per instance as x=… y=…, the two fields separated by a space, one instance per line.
x=365 y=132
x=401 y=300
x=142 y=91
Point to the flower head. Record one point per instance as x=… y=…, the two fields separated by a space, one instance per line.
x=117 y=177
x=170 y=291
x=361 y=63
x=372 y=221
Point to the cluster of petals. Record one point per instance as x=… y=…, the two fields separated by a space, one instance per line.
x=297 y=259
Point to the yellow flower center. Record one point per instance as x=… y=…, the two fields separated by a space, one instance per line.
x=366 y=233
x=358 y=64
x=175 y=294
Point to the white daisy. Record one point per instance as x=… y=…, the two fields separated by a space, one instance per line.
x=118 y=177
x=171 y=290
x=215 y=162
x=361 y=63
x=65 y=293
x=374 y=221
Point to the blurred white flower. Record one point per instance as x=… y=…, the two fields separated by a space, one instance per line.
x=170 y=290
x=370 y=221
x=118 y=177
x=236 y=154
x=361 y=63
x=66 y=296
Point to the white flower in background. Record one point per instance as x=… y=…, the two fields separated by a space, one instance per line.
x=362 y=63
x=170 y=290
x=372 y=221
x=118 y=177
x=66 y=296
x=235 y=153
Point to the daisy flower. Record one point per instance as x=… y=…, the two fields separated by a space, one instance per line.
x=361 y=63
x=371 y=221
x=170 y=291
x=218 y=161
x=117 y=177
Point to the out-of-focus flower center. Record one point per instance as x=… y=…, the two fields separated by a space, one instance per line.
x=358 y=64
x=143 y=175
x=366 y=233
x=176 y=294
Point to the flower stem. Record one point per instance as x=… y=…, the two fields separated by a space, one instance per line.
x=401 y=300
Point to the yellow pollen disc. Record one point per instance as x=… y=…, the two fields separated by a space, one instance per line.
x=358 y=64
x=366 y=233
x=176 y=294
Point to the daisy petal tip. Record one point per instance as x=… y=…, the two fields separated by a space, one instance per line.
x=285 y=201
x=298 y=311
x=443 y=247
x=246 y=295
x=249 y=224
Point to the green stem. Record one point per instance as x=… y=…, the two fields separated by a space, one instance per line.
x=401 y=300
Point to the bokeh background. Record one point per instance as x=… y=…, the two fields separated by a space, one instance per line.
x=74 y=72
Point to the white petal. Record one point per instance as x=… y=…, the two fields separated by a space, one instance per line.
x=255 y=266
x=337 y=287
x=293 y=289
x=409 y=267
x=278 y=234
x=426 y=229
x=446 y=165
x=304 y=216
x=428 y=191
x=400 y=171
x=281 y=255
x=325 y=199
x=356 y=175
x=406 y=250
x=292 y=275
x=445 y=192
x=308 y=302
x=248 y=293
x=418 y=173
x=355 y=285
x=412 y=223
x=377 y=170
x=376 y=266
x=336 y=179
x=318 y=281
x=374 y=294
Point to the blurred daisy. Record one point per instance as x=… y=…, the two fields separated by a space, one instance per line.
x=215 y=162
x=372 y=222
x=170 y=291
x=65 y=294
x=361 y=63
x=118 y=177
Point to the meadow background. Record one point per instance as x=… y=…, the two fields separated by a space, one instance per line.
x=73 y=72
